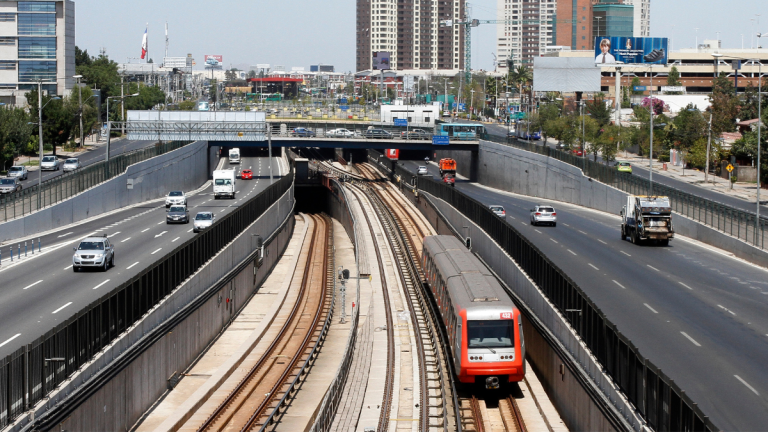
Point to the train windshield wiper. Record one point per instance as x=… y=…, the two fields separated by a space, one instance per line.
x=492 y=350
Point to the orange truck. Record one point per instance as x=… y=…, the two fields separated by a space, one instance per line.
x=447 y=166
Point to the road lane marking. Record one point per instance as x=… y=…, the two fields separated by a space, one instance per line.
x=652 y=267
x=590 y=264
x=123 y=241
x=685 y=286
x=690 y=339
x=727 y=310
x=737 y=377
x=131 y=266
x=553 y=240
x=30 y=286
x=101 y=284
x=190 y=230
x=114 y=234
x=156 y=251
x=649 y=307
x=161 y=234
x=160 y=223
x=64 y=235
x=619 y=284
x=10 y=339
x=566 y=224
x=571 y=251
x=59 y=309
x=175 y=239
x=67 y=268
x=625 y=253
x=582 y=232
x=537 y=230
x=146 y=230
x=601 y=241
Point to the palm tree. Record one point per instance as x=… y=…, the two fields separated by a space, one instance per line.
x=520 y=76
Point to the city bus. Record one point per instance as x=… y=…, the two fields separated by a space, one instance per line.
x=462 y=131
x=203 y=106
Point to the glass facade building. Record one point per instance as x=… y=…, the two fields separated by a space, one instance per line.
x=613 y=19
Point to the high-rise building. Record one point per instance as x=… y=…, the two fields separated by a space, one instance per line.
x=574 y=24
x=611 y=18
x=37 y=43
x=530 y=29
x=410 y=31
x=580 y=21
x=642 y=17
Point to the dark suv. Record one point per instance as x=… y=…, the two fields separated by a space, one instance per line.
x=377 y=134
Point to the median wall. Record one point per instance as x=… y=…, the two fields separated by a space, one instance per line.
x=185 y=168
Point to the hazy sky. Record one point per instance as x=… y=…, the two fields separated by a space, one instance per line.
x=303 y=32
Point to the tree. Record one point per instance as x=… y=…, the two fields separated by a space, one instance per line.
x=149 y=97
x=673 y=80
x=14 y=134
x=547 y=113
x=90 y=117
x=188 y=105
x=251 y=73
x=230 y=75
x=598 y=109
x=520 y=77
x=658 y=105
x=689 y=126
x=58 y=119
x=725 y=106
x=636 y=83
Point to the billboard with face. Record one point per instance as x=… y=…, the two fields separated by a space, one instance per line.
x=630 y=50
x=213 y=60
x=380 y=60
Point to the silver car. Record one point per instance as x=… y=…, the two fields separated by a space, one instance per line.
x=97 y=252
x=341 y=132
x=71 y=164
x=422 y=170
x=175 y=198
x=20 y=172
x=202 y=221
x=9 y=185
x=543 y=214
x=50 y=163
x=498 y=211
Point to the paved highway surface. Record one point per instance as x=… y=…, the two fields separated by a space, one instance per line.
x=695 y=311
x=643 y=172
x=33 y=301
x=96 y=154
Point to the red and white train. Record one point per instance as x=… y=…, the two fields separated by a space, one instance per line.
x=484 y=325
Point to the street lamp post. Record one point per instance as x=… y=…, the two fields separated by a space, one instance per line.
x=109 y=122
x=80 y=102
x=650 y=155
x=40 y=107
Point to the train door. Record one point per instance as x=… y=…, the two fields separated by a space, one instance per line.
x=457 y=344
x=522 y=340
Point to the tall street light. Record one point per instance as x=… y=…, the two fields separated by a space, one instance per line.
x=109 y=122
x=40 y=107
x=80 y=102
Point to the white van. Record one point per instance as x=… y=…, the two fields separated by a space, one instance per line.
x=224 y=183
x=234 y=156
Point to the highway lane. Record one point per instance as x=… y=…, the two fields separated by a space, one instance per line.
x=97 y=154
x=33 y=301
x=641 y=171
x=695 y=311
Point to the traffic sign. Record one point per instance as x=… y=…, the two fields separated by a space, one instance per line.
x=639 y=88
x=440 y=140
x=344 y=107
x=401 y=122
x=729 y=168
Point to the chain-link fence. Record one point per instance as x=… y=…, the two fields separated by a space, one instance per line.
x=70 y=184
x=737 y=223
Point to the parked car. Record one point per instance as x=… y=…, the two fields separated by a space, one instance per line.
x=175 y=198
x=177 y=214
x=543 y=214
x=71 y=164
x=18 y=171
x=302 y=132
x=624 y=167
x=498 y=210
x=203 y=220
x=422 y=170
x=377 y=134
x=246 y=174
x=415 y=134
x=97 y=252
x=9 y=185
x=340 y=133
x=50 y=163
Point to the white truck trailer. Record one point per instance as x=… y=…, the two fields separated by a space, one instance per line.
x=234 y=156
x=224 y=183
x=647 y=218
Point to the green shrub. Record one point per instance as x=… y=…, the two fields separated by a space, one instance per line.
x=663 y=158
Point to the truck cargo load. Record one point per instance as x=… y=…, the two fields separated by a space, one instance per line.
x=224 y=183
x=234 y=156
x=447 y=166
x=647 y=218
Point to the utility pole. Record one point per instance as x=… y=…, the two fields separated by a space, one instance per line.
x=40 y=141
x=122 y=106
x=80 y=101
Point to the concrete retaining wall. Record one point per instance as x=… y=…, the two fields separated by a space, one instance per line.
x=125 y=398
x=511 y=169
x=185 y=168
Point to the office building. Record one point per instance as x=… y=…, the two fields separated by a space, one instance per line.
x=37 y=43
x=580 y=21
x=574 y=24
x=611 y=18
x=410 y=31
x=321 y=68
x=527 y=33
x=642 y=17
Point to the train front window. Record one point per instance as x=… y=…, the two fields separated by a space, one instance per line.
x=491 y=333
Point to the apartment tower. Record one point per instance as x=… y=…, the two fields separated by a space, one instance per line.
x=410 y=31
x=527 y=30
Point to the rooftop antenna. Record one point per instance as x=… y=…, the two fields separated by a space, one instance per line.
x=166 y=38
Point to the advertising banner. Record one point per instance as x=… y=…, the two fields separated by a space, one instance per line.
x=630 y=50
x=393 y=154
x=380 y=60
x=214 y=60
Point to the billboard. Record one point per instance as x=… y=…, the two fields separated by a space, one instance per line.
x=380 y=60
x=565 y=74
x=630 y=50
x=214 y=60
x=393 y=154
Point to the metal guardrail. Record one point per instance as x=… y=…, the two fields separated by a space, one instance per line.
x=70 y=184
x=26 y=376
x=655 y=396
x=323 y=130
x=737 y=223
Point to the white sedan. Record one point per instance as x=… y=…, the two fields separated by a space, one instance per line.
x=71 y=164
x=422 y=170
x=543 y=214
x=341 y=133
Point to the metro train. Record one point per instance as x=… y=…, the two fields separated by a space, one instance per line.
x=484 y=326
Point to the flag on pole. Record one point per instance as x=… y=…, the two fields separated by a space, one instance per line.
x=144 y=45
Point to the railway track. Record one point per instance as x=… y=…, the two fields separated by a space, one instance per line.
x=257 y=397
x=491 y=415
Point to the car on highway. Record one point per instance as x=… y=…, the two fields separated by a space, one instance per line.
x=202 y=221
x=95 y=252
x=498 y=210
x=50 y=163
x=340 y=133
x=9 y=185
x=177 y=214
x=415 y=134
x=18 y=171
x=624 y=167
x=302 y=132
x=175 y=197
x=543 y=214
x=577 y=152
x=246 y=174
x=449 y=179
x=377 y=134
x=422 y=170
x=71 y=164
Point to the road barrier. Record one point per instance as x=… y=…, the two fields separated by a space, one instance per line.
x=35 y=370
x=70 y=184
x=655 y=396
x=737 y=223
